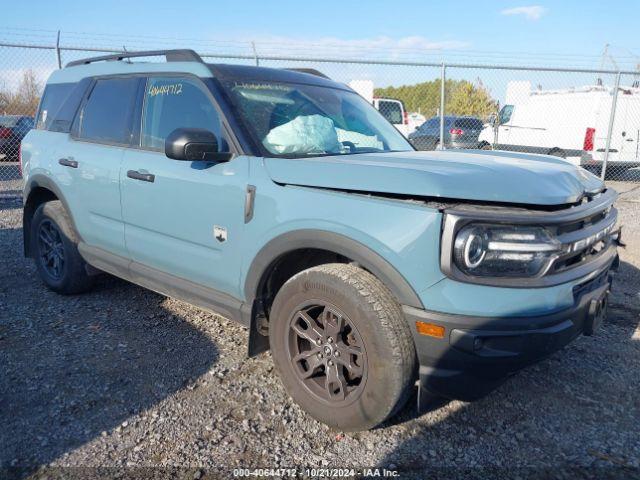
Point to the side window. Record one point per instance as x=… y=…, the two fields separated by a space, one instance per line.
x=53 y=98
x=505 y=114
x=175 y=102
x=392 y=111
x=106 y=116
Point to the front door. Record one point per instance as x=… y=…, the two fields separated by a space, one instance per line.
x=183 y=218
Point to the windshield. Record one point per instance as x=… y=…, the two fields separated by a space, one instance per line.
x=296 y=120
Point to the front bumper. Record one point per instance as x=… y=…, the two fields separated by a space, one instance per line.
x=478 y=353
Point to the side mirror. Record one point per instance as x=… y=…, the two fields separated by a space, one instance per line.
x=194 y=144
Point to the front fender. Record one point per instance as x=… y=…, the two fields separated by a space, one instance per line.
x=331 y=241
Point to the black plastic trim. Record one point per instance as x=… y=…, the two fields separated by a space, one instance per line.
x=166 y=284
x=478 y=353
x=176 y=55
x=41 y=181
x=334 y=242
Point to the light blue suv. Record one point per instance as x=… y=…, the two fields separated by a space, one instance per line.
x=285 y=201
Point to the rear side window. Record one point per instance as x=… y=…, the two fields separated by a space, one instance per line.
x=175 y=102
x=53 y=98
x=469 y=123
x=106 y=115
x=392 y=111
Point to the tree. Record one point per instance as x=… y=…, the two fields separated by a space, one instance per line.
x=24 y=100
x=461 y=97
x=470 y=99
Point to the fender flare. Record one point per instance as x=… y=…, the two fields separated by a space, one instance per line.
x=326 y=240
x=41 y=181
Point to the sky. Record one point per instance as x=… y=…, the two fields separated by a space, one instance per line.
x=559 y=33
x=575 y=27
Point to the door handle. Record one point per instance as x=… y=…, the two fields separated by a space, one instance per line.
x=143 y=176
x=68 y=162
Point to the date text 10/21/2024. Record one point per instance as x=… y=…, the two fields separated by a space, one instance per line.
x=316 y=472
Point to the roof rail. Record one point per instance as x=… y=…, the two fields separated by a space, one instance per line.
x=310 y=71
x=181 y=55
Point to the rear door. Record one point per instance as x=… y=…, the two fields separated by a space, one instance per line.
x=626 y=127
x=183 y=218
x=89 y=161
x=503 y=132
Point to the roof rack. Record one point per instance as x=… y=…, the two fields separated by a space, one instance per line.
x=310 y=71
x=181 y=55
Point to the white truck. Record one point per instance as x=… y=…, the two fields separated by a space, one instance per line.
x=390 y=108
x=570 y=123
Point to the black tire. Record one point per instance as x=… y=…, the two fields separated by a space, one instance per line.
x=376 y=328
x=51 y=223
x=485 y=146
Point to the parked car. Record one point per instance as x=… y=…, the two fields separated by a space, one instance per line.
x=459 y=132
x=395 y=113
x=13 y=128
x=569 y=123
x=285 y=201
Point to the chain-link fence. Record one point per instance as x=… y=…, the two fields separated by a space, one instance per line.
x=590 y=118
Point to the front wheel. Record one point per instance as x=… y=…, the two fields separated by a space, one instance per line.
x=342 y=346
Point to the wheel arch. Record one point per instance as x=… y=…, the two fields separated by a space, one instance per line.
x=333 y=242
x=38 y=190
x=319 y=242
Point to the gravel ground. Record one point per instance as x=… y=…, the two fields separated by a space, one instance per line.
x=123 y=377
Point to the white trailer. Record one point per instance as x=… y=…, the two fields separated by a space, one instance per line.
x=570 y=123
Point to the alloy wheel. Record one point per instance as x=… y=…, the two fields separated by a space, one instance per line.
x=51 y=249
x=327 y=353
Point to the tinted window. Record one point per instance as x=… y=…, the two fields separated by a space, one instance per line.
x=505 y=114
x=470 y=123
x=106 y=117
x=173 y=102
x=392 y=111
x=431 y=124
x=53 y=98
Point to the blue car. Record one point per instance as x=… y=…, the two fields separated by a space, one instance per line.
x=13 y=129
x=283 y=200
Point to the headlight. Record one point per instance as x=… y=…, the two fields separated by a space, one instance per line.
x=485 y=250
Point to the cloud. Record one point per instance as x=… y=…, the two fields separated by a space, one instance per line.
x=532 y=12
x=380 y=47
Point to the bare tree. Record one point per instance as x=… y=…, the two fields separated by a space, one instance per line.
x=24 y=100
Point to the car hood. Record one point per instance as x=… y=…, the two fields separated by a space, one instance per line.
x=477 y=175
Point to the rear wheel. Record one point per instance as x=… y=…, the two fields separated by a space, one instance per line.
x=55 y=247
x=485 y=146
x=342 y=346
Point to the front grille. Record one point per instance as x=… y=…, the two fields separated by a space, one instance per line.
x=584 y=240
